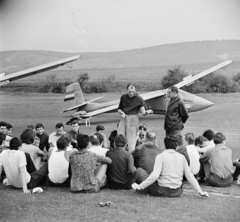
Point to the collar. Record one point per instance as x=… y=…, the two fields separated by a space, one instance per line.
x=170 y=150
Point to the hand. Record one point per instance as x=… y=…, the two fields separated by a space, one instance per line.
x=123 y=115
x=136 y=186
x=149 y=111
x=204 y=194
x=26 y=191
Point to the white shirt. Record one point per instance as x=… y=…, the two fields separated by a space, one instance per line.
x=210 y=145
x=169 y=168
x=53 y=138
x=98 y=150
x=12 y=160
x=194 y=159
x=58 y=167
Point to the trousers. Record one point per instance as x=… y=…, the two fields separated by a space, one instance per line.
x=128 y=126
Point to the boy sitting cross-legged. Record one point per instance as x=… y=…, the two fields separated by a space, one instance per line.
x=14 y=163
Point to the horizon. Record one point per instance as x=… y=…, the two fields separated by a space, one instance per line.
x=112 y=25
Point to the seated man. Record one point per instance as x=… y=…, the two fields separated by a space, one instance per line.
x=201 y=142
x=236 y=174
x=53 y=137
x=2 y=142
x=192 y=153
x=182 y=149
x=95 y=146
x=217 y=163
x=100 y=129
x=75 y=132
x=120 y=173
x=209 y=134
x=14 y=163
x=86 y=176
x=27 y=137
x=141 y=135
x=145 y=154
x=43 y=137
x=166 y=178
x=58 y=164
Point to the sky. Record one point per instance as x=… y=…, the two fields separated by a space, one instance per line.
x=114 y=25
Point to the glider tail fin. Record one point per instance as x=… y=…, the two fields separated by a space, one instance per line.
x=74 y=92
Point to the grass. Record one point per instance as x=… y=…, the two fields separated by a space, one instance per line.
x=55 y=204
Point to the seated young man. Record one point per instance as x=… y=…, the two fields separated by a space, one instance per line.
x=75 y=131
x=53 y=137
x=217 y=163
x=27 y=137
x=236 y=173
x=166 y=178
x=145 y=154
x=2 y=142
x=86 y=175
x=100 y=129
x=95 y=145
x=58 y=164
x=192 y=153
x=43 y=137
x=209 y=134
x=120 y=173
x=14 y=163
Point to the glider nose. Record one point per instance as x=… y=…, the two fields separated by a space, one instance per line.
x=201 y=103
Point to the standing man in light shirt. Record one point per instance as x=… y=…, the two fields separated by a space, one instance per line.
x=129 y=107
x=167 y=175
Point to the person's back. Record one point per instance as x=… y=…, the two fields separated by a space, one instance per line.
x=146 y=155
x=194 y=159
x=12 y=160
x=120 y=172
x=96 y=146
x=85 y=175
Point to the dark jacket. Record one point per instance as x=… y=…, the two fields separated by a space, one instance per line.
x=176 y=115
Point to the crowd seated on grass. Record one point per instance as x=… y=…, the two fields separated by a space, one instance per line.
x=84 y=163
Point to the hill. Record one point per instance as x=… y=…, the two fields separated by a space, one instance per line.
x=201 y=52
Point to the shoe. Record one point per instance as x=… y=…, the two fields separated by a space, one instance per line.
x=37 y=190
x=5 y=182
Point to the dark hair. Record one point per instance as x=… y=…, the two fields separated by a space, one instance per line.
x=15 y=143
x=28 y=136
x=82 y=141
x=171 y=142
x=64 y=141
x=94 y=140
x=200 y=140
x=189 y=137
x=100 y=137
x=74 y=122
x=100 y=127
x=2 y=138
x=112 y=137
x=209 y=134
x=143 y=126
x=179 y=140
x=173 y=89
x=9 y=126
x=31 y=126
x=2 y=123
x=120 y=140
x=59 y=125
x=39 y=125
x=219 y=138
x=130 y=84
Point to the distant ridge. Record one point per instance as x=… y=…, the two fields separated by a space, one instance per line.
x=169 y=54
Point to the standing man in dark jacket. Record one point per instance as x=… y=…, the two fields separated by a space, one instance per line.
x=176 y=114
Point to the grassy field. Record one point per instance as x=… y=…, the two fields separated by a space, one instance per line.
x=22 y=109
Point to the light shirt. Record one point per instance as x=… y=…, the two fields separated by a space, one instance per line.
x=12 y=160
x=58 y=167
x=169 y=168
x=98 y=150
x=53 y=138
x=194 y=159
x=31 y=149
x=210 y=145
